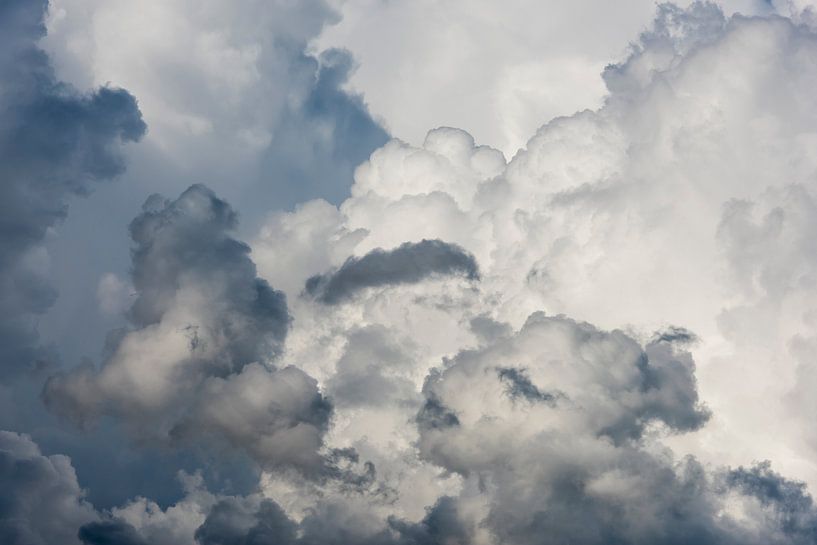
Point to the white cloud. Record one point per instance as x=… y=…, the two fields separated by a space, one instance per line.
x=626 y=217
x=495 y=71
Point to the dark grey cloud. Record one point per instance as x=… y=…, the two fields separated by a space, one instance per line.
x=231 y=522
x=41 y=501
x=409 y=263
x=441 y=526
x=183 y=249
x=791 y=505
x=673 y=506
x=669 y=384
x=109 y=532
x=197 y=362
x=55 y=143
x=433 y=414
x=675 y=334
x=246 y=521
x=189 y=241
x=519 y=386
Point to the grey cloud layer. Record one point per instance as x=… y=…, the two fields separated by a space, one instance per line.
x=55 y=143
x=409 y=263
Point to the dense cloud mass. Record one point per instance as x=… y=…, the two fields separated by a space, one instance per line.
x=42 y=502
x=55 y=143
x=581 y=345
x=679 y=212
x=198 y=356
x=409 y=263
x=578 y=400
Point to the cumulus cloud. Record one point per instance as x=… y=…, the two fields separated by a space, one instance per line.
x=674 y=218
x=198 y=357
x=237 y=521
x=42 y=501
x=564 y=407
x=55 y=143
x=630 y=389
x=409 y=263
x=541 y=472
x=684 y=200
x=632 y=261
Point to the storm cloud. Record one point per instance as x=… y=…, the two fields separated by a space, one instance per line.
x=409 y=263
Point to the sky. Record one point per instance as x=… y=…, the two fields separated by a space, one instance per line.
x=390 y=272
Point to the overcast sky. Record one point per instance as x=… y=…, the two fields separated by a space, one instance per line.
x=391 y=272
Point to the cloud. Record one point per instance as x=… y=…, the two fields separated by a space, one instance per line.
x=498 y=85
x=407 y=264
x=109 y=532
x=550 y=401
x=55 y=143
x=236 y=98
x=685 y=201
x=198 y=360
x=442 y=524
x=631 y=387
x=234 y=95
x=229 y=523
x=42 y=501
x=518 y=385
x=555 y=467
x=142 y=520
x=236 y=521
